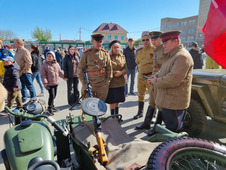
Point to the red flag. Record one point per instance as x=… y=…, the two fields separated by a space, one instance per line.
x=215 y=32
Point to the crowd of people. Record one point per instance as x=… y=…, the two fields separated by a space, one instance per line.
x=163 y=66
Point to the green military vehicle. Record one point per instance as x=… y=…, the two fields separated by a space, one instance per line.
x=208 y=98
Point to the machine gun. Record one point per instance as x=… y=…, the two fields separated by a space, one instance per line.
x=95 y=107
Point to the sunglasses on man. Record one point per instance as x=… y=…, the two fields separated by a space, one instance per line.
x=145 y=39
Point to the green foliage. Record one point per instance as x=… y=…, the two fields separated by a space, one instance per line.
x=136 y=42
x=41 y=35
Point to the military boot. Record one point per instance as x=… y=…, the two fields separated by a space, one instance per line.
x=140 y=110
x=148 y=118
x=112 y=112
x=159 y=118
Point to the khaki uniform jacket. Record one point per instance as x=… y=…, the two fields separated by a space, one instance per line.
x=118 y=64
x=144 y=59
x=174 y=80
x=24 y=60
x=159 y=56
x=87 y=64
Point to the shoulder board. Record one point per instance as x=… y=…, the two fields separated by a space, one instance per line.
x=140 y=49
x=104 y=50
x=89 y=49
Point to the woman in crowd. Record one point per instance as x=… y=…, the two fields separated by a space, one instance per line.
x=70 y=65
x=50 y=74
x=116 y=87
x=36 y=67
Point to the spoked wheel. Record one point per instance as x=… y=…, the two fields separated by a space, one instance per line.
x=188 y=154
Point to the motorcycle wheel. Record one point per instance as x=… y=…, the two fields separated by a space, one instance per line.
x=188 y=154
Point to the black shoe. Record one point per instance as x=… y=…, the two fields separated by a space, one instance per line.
x=50 y=112
x=55 y=109
x=151 y=132
x=143 y=126
x=133 y=94
x=138 y=116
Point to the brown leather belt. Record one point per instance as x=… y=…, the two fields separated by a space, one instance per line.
x=146 y=74
x=96 y=72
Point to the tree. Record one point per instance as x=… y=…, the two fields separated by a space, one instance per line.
x=136 y=43
x=41 y=35
x=7 y=35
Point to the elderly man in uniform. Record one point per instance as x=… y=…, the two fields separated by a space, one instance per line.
x=173 y=81
x=96 y=63
x=144 y=61
x=157 y=62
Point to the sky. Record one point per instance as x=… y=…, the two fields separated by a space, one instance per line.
x=66 y=17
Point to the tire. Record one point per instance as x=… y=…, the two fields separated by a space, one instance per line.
x=187 y=154
x=195 y=121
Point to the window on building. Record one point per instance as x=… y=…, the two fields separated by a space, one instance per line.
x=169 y=26
x=122 y=37
x=109 y=37
x=182 y=24
x=184 y=31
x=184 y=38
x=200 y=35
x=193 y=22
x=193 y=30
x=189 y=31
x=185 y=23
x=176 y=24
x=190 y=22
x=188 y=38
x=192 y=38
x=116 y=37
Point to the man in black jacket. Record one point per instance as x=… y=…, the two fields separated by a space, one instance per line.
x=196 y=55
x=130 y=54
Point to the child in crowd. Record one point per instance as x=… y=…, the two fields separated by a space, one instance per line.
x=50 y=75
x=12 y=82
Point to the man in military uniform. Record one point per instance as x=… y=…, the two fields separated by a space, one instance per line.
x=173 y=81
x=144 y=61
x=96 y=63
x=157 y=62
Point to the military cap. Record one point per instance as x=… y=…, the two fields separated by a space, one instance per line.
x=97 y=37
x=194 y=44
x=170 y=35
x=145 y=33
x=155 y=34
x=113 y=42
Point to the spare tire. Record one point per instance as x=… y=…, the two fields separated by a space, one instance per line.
x=195 y=121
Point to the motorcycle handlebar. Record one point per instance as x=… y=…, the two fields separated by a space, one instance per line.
x=38 y=117
x=58 y=127
x=25 y=114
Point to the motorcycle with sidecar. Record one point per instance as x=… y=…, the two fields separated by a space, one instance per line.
x=98 y=142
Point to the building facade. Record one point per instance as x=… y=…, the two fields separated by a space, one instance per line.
x=204 y=6
x=187 y=26
x=112 y=32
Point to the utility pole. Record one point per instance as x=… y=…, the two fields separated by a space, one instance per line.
x=80 y=33
x=60 y=36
